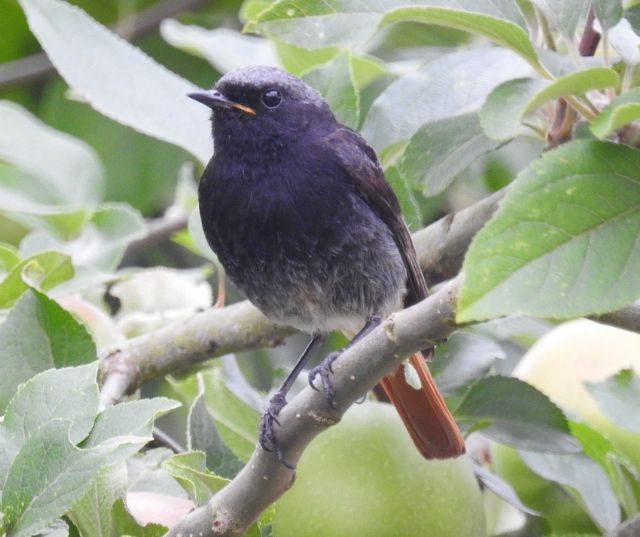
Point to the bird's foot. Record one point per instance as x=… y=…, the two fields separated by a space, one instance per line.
x=323 y=370
x=267 y=438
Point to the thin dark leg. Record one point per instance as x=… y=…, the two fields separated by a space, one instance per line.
x=326 y=366
x=279 y=400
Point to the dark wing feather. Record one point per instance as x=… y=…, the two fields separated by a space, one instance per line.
x=361 y=164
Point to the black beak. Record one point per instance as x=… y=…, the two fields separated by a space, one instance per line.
x=215 y=99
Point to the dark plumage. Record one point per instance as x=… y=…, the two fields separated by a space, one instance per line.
x=298 y=211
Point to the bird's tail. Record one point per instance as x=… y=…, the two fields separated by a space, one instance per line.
x=424 y=412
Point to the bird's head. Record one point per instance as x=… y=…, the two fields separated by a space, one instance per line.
x=263 y=103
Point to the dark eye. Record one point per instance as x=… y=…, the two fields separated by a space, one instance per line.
x=271 y=98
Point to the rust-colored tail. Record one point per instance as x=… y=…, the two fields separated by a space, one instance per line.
x=424 y=412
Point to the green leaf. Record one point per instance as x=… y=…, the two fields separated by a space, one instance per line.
x=43 y=270
x=223 y=48
x=125 y=525
x=619 y=398
x=68 y=171
x=517 y=414
x=608 y=12
x=563 y=15
x=125 y=84
x=37 y=335
x=462 y=359
x=47 y=477
x=335 y=82
x=625 y=42
x=146 y=474
x=582 y=475
x=508 y=104
x=189 y=469
x=449 y=86
x=236 y=421
x=622 y=110
x=92 y=514
x=502 y=32
x=102 y=242
x=202 y=435
x=411 y=210
x=129 y=419
x=543 y=252
x=347 y=22
x=622 y=474
x=441 y=149
x=9 y=256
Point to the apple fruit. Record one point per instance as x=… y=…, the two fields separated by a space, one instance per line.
x=364 y=477
x=558 y=365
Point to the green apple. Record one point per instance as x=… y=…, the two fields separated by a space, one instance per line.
x=364 y=478
x=559 y=364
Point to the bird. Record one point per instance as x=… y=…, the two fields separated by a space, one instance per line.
x=298 y=211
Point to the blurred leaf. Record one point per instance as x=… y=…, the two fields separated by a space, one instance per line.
x=223 y=48
x=43 y=270
x=102 y=242
x=409 y=205
x=190 y=470
x=463 y=358
x=501 y=488
x=68 y=171
x=9 y=257
x=92 y=514
x=608 y=12
x=124 y=524
x=344 y=22
x=236 y=421
x=515 y=413
x=146 y=474
x=202 y=435
x=502 y=32
x=625 y=42
x=578 y=473
x=563 y=15
x=449 y=86
x=298 y=60
x=542 y=252
x=623 y=110
x=619 y=398
x=508 y=104
x=199 y=240
x=622 y=474
x=125 y=84
x=48 y=476
x=129 y=419
x=335 y=82
x=441 y=149
x=37 y=335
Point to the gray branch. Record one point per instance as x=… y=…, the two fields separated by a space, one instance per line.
x=263 y=479
x=441 y=247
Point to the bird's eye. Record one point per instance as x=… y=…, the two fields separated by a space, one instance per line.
x=271 y=98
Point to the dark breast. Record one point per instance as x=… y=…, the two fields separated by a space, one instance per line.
x=302 y=244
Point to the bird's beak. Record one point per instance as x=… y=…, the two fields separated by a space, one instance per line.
x=215 y=99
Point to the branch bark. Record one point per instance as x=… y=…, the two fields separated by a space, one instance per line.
x=441 y=247
x=264 y=479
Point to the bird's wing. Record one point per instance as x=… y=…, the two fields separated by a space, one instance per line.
x=361 y=164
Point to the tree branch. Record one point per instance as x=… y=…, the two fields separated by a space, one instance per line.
x=132 y=27
x=441 y=247
x=264 y=479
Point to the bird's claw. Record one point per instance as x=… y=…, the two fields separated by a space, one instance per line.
x=323 y=370
x=267 y=437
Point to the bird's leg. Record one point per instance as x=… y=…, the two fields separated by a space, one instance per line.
x=326 y=366
x=279 y=400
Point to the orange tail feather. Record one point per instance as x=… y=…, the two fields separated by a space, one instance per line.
x=424 y=412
